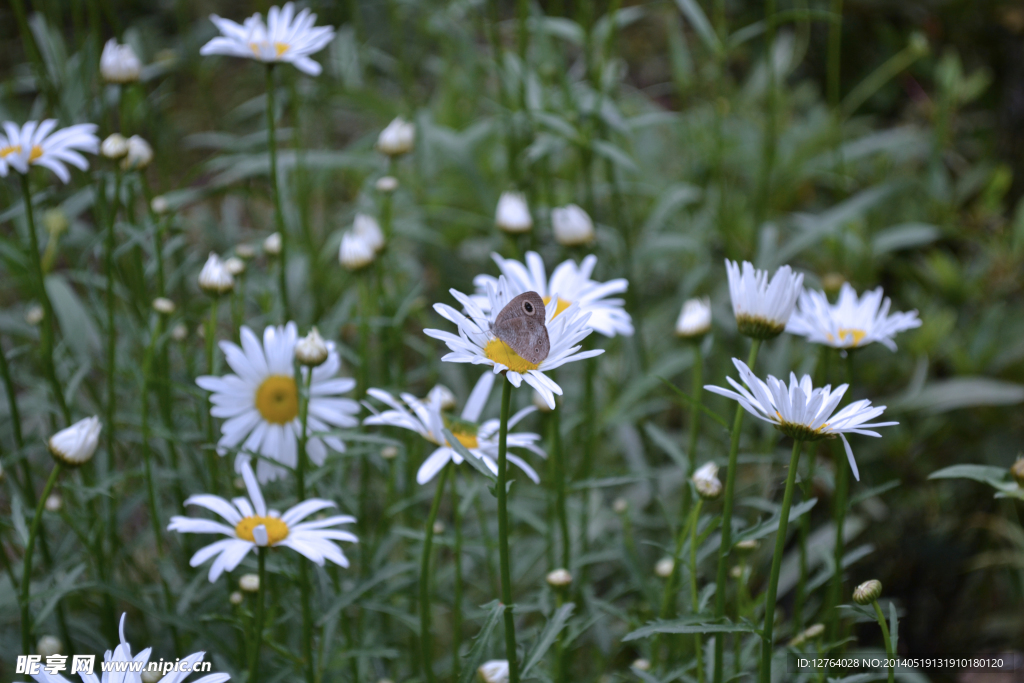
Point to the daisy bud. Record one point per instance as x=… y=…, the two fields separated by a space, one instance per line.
x=540 y=403
x=75 y=445
x=442 y=396
x=245 y=251
x=238 y=483
x=355 y=252
x=810 y=633
x=311 y=349
x=397 y=139
x=438 y=528
x=114 y=146
x=179 y=332
x=387 y=184
x=369 y=230
x=272 y=245
x=1017 y=471
x=234 y=265
x=832 y=282
x=160 y=205
x=237 y=598
x=119 y=64
x=736 y=572
x=559 y=578
x=34 y=315
x=620 y=506
x=641 y=665
x=389 y=452
x=705 y=479
x=513 y=213
x=250 y=583
x=494 y=671
x=664 y=567
x=572 y=226
x=385 y=680
x=163 y=305
x=53 y=502
x=695 y=319
x=747 y=545
x=151 y=676
x=140 y=154
x=56 y=222
x=49 y=646
x=867 y=592
x=214 y=278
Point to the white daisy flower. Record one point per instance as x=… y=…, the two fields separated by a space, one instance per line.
x=569 y=284
x=852 y=322
x=428 y=417
x=802 y=412
x=123 y=653
x=285 y=37
x=762 y=307
x=36 y=144
x=475 y=343
x=253 y=525
x=260 y=402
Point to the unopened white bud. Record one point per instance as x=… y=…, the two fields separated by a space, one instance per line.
x=163 y=305
x=642 y=665
x=513 y=213
x=664 y=567
x=49 y=646
x=559 y=578
x=160 y=205
x=75 y=445
x=179 y=332
x=249 y=583
x=705 y=480
x=245 y=251
x=572 y=226
x=438 y=527
x=114 y=146
x=389 y=452
x=53 y=502
x=151 y=676
x=355 y=252
x=494 y=671
x=34 y=314
x=236 y=598
x=234 y=265
x=139 y=156
x=214 y=278
x=119 y=64
x=272 y=245
x=695 y=318
x=397 y=139
x=386 y=184
x=368 y=229
x=867 y=592
x=312 y=349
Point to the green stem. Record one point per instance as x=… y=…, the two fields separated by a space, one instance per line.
x=842 y=488
x=300 y=480
x=805 y=531
x=669 y=595
x=276 y=190
x=727 y=504
x=590 y=445
x=46 y=328
x=698 y=645
x=257 y=624
x=457 y=601
x=211 y=333
x=147 y=379
x=108 y=266
x=695 y=407
x=885 y=636
x=366 y=304
x=558 y=460
x=771 y=105
x=426 y=642
x=767 y=641
x=503 y=550
x=26 y=573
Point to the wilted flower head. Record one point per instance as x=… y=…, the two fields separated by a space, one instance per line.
x=311 y=350
x=367 y=227
x=706 y=481
x=75 y=445
x=285 y=37
x=272 y=245
x=40 y=144
x=397 y=139
x=513 y=213
x=139 y=156
x=355 y=252
x=494 y=671
x=762 y=307
x=114 y=146
x=214 y=278
x=695 y=318
x=572 y=226
x=118 y=63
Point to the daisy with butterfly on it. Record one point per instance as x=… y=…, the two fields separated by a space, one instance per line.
x=429 y=418
x=570 y=283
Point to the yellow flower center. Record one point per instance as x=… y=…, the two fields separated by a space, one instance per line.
x=36 y=152
x=560 y=305
x=10 y=149
x=500 y=352
x=279 y=48
x=277 y=399
x=858 y=335
x=277 y=530
x=467 y=440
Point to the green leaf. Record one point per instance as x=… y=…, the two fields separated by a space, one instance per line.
x=904 y=236
x=554 y=626
x=689 y=625
x=874 y=491
x=475 y=656
x=686 y=397
x=986 y=474
x=771 y=524
x=76 y=326
x=615 y=154
x=894 y=627
x=664 y=441
x=961 y=392
x=700 y=24
x=474 y=461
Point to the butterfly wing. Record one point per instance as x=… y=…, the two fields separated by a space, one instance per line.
x=525 y=336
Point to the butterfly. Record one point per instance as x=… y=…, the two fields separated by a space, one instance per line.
x=521 y=325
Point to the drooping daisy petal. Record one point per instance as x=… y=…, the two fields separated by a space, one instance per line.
x=852 y=321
